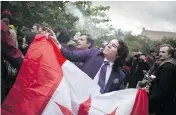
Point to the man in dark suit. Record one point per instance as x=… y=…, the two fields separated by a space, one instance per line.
x=162 y=98
x=10 y=53
x=104 y=67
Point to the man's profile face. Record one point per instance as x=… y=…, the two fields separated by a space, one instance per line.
x=111 y=50
x=163 y=53
x=40 y=30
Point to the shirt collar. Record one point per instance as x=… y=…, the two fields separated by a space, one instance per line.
x=110 y=63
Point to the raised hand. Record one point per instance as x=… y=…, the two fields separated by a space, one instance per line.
x=52 y=35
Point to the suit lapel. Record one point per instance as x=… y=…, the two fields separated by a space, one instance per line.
x=112 y=77
x=110 y=81
x=96 y=65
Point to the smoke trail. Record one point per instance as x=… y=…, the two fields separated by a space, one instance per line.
x=73 y=10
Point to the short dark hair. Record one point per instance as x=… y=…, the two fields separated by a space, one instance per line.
x=58 y=28
x=63 y=37
x=170 y=50
x=89 y=39
x=122 y=53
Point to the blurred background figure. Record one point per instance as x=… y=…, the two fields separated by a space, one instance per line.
x=12 y=55
x=29 y=36
x=35 y=28
x=62 y=35
x=138 y=66
x=6 y=17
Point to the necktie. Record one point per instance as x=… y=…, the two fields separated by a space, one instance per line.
x=102 y=76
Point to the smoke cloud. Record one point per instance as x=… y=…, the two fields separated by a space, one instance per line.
x=84 y=23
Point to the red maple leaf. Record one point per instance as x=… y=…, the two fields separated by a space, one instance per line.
x=84 y=107
x=113 y=113
x=64 y=110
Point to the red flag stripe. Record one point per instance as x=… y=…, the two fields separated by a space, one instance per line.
x=38 y=78
x=140 y=106
x=59 y=55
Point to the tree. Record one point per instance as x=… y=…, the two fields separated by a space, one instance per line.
x=169 y=40
x=89 y=18
x=53 y=12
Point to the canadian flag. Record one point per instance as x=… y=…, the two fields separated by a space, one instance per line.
x=48 y=84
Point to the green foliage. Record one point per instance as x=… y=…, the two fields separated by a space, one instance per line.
x=170 y=40
x=53 y=12
x=135 y=43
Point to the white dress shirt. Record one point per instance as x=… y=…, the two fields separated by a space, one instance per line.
x=108 y=72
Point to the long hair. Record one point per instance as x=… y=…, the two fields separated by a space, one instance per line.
x=122 y=55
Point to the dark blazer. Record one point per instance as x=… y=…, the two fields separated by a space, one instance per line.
x=162 y=99
x=93 y=59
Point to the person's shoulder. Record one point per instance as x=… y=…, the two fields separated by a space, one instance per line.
x=4 y=27
x=94 y=51
x=169 y=65
x=119 y=73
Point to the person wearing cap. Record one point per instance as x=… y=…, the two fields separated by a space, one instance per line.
x=6 y=17
x=10 y=53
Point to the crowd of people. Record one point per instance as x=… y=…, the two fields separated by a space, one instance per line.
x=111 y=66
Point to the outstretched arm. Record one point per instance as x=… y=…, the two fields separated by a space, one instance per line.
x=75 y=56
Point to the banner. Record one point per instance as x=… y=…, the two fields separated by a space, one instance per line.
x=48 y=84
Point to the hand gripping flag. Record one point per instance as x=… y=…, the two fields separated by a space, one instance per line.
x=48 y=84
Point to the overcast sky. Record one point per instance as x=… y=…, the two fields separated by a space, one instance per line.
x=159 y=16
